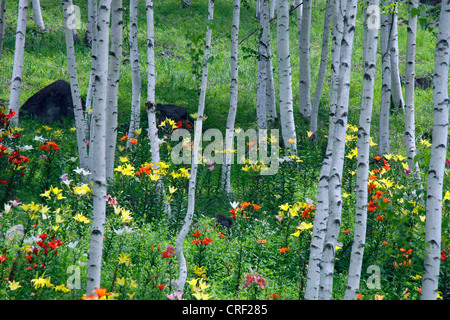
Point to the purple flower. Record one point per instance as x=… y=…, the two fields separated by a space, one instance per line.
x=15 y=203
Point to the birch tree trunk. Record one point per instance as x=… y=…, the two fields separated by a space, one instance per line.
x=195 y=148
x=304 y=87
x=384 y=141
x=322 y=69
x=135 y=72
x=37 y=15
x=263 y=62
x=234 y=89
x=337 y=160
x=321 y=214
x=273 y=6
x=99 y=189
x=299 y=5
x=115 y=61
x=2 y=24
x=410 y=135
x=80 y=120
x=437 y=159
x=92 y=12
x=397 y=95
x=285 y=78
x=151 y=85
x=362 y=166
x=19 y=53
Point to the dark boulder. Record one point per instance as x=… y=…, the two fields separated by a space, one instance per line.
x=176 y=113
x=224 y=221
x=51 y=104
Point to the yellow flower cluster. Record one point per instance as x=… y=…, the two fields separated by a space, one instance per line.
x=198 y=286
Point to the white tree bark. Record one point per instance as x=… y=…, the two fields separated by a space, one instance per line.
x=263 y=62
x=273 y=6
x=234 y=90
x=285 y=77
x=337 y=160
x=19 y=53
x=92 y=12
x=37 y=15
x=135 y=72
x=299 y=10
x=197 y=136
x=112 y=95
x=304 y=87
x=321 y=214
x=410 y=135
x=80 y=120
x=321 y=76
x=437 y=159
x=99 y=189
x=151 y=84
x=384 y=141
x=396 y=87
x=2 y=24
x=362 y=167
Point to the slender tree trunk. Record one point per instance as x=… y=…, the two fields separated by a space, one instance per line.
x=285 y=78
x=362 y=167
x=263 y=61
x=337 y=160
x=437 y=159
x=92 y=12
x=397 y=95
x=410 y=135
x=135 y=72
x=257 y=9
x=195 y=148
x=37 y=15
x=320 y=217
x=234 y=89
x=384 y=141
x=115 y=61
x=322 y=69
x=304 y=88
x=151 y=85
x=273 y=6
x=299 y=5
x=2 y=24
x=80 y=120
x=19 y=53
x=99 y=189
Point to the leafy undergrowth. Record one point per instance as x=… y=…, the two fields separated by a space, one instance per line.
x=46 y=205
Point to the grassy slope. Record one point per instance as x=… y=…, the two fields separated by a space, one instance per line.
x=45 y=62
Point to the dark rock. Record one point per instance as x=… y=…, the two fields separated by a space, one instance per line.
x=224 y=221
x=51 y=104
x=176 y=113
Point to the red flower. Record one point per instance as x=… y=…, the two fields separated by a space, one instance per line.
x=170 y=251
x=256 y=207
x=207 y=241
x=443 y=255
x=10 y=114
x=197 y=234
x=2 y=258
x=161 y=286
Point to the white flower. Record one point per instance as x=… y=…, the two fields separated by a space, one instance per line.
x=82 y=171
x=119 y=232
x=73 y=159
x=40 y=139
x=72 y=245
x=234 y=204
x=27 y=147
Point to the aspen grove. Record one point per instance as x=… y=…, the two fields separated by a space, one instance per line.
x=224 y=150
